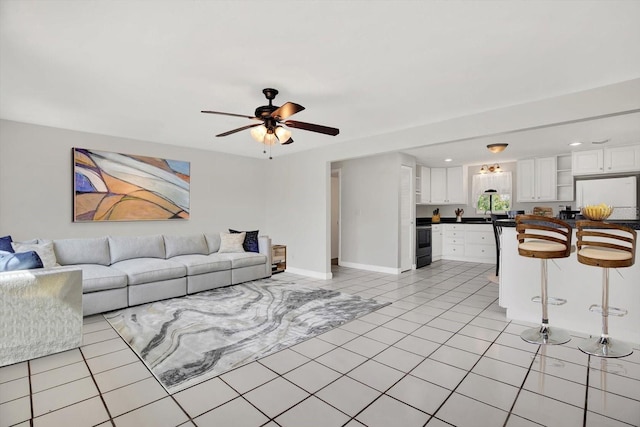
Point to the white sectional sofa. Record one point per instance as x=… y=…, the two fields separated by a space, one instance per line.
x=123 y=271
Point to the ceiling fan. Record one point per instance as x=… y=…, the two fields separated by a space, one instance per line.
x=271 y=118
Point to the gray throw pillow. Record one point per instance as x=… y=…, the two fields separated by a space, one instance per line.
x=231 y=243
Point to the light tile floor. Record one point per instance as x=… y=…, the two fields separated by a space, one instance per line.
x=442 y=354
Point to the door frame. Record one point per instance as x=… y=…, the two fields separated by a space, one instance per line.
x=338 y=174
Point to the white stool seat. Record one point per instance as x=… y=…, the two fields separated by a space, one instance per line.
x=541 y=246
x=607 y=254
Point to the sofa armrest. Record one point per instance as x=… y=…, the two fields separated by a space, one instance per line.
x=40 y=312
x=264 y=247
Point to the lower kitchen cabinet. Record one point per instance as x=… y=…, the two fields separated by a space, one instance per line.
x=469 y=242
x=436 y=242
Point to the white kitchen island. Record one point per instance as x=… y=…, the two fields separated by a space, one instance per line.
x=580 y=285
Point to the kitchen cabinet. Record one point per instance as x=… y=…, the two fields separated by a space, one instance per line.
x=606 y=160
x=480 y=243
x=448 y=185
x=564 y=180
x=622 y=159
x=436 y=242
x=453 y=242
x=537 y=179
x=469 y=242
x=425 y=185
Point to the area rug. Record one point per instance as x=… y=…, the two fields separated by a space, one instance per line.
x=190 y=339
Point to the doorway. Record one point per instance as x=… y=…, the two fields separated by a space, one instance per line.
x=335 y=216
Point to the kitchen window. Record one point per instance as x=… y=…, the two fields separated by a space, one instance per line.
x=501 y=200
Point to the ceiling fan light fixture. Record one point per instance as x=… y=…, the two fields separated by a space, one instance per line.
x=270 y=139
x=258 y=133
x=283 y=134
x=497 y=148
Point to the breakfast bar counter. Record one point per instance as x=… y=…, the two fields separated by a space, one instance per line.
x=579 y=284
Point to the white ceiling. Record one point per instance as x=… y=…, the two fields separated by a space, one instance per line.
x=144 y=70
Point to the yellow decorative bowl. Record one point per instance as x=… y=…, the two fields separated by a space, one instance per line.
x=597 y=212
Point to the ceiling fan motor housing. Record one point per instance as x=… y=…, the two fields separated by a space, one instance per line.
x=265 y=111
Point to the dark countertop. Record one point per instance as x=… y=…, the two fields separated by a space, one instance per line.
x=631 y=223
x=452 y=220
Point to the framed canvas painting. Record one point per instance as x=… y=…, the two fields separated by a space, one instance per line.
x=123 y=187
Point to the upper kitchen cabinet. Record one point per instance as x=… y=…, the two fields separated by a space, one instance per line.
x=423 y=182
x=537 y=179
x=606 y=160
x=448 y=186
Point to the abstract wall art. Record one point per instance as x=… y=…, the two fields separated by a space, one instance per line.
x=122 y=187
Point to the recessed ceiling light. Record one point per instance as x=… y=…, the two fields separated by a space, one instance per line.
x=573 y=144
x=448 y=160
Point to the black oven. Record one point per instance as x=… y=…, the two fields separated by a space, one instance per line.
x=423 y=245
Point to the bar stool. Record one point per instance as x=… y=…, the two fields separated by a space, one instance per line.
x=605 y=245
x=544 y=238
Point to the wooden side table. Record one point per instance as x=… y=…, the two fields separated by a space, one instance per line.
x=278 y=258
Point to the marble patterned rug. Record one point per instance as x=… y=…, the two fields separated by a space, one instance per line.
x=190 y=339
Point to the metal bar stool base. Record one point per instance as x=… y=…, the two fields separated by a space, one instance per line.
x=541 y=335
x=605 y=347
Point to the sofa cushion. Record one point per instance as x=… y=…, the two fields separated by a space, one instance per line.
x=213 y=241
x=44 y=250
x=231 y=243
x=82 y=251
x=23 y=261
x=5 y=244
x=185 y=245
x=97 y=277
x=145 y=270
x=200 y=264
x=250 y=243
x=244 y=259
x=123 y=248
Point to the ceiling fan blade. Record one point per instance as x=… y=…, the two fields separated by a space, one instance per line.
x=239 y=129
x=231 y=114
x=288 y=141
x=287 y=110
x=312 y=127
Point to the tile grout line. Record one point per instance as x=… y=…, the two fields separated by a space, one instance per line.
x=524 y=380
x=586 y=392
x=97 y=388
x=30 y=392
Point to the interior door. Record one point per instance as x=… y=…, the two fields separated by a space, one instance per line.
x=406 y=218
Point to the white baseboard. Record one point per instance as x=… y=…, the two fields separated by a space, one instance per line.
x=367 y=267
x=309 y=273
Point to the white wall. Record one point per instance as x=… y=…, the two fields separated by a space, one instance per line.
x=36 y=185
x=369 y=209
